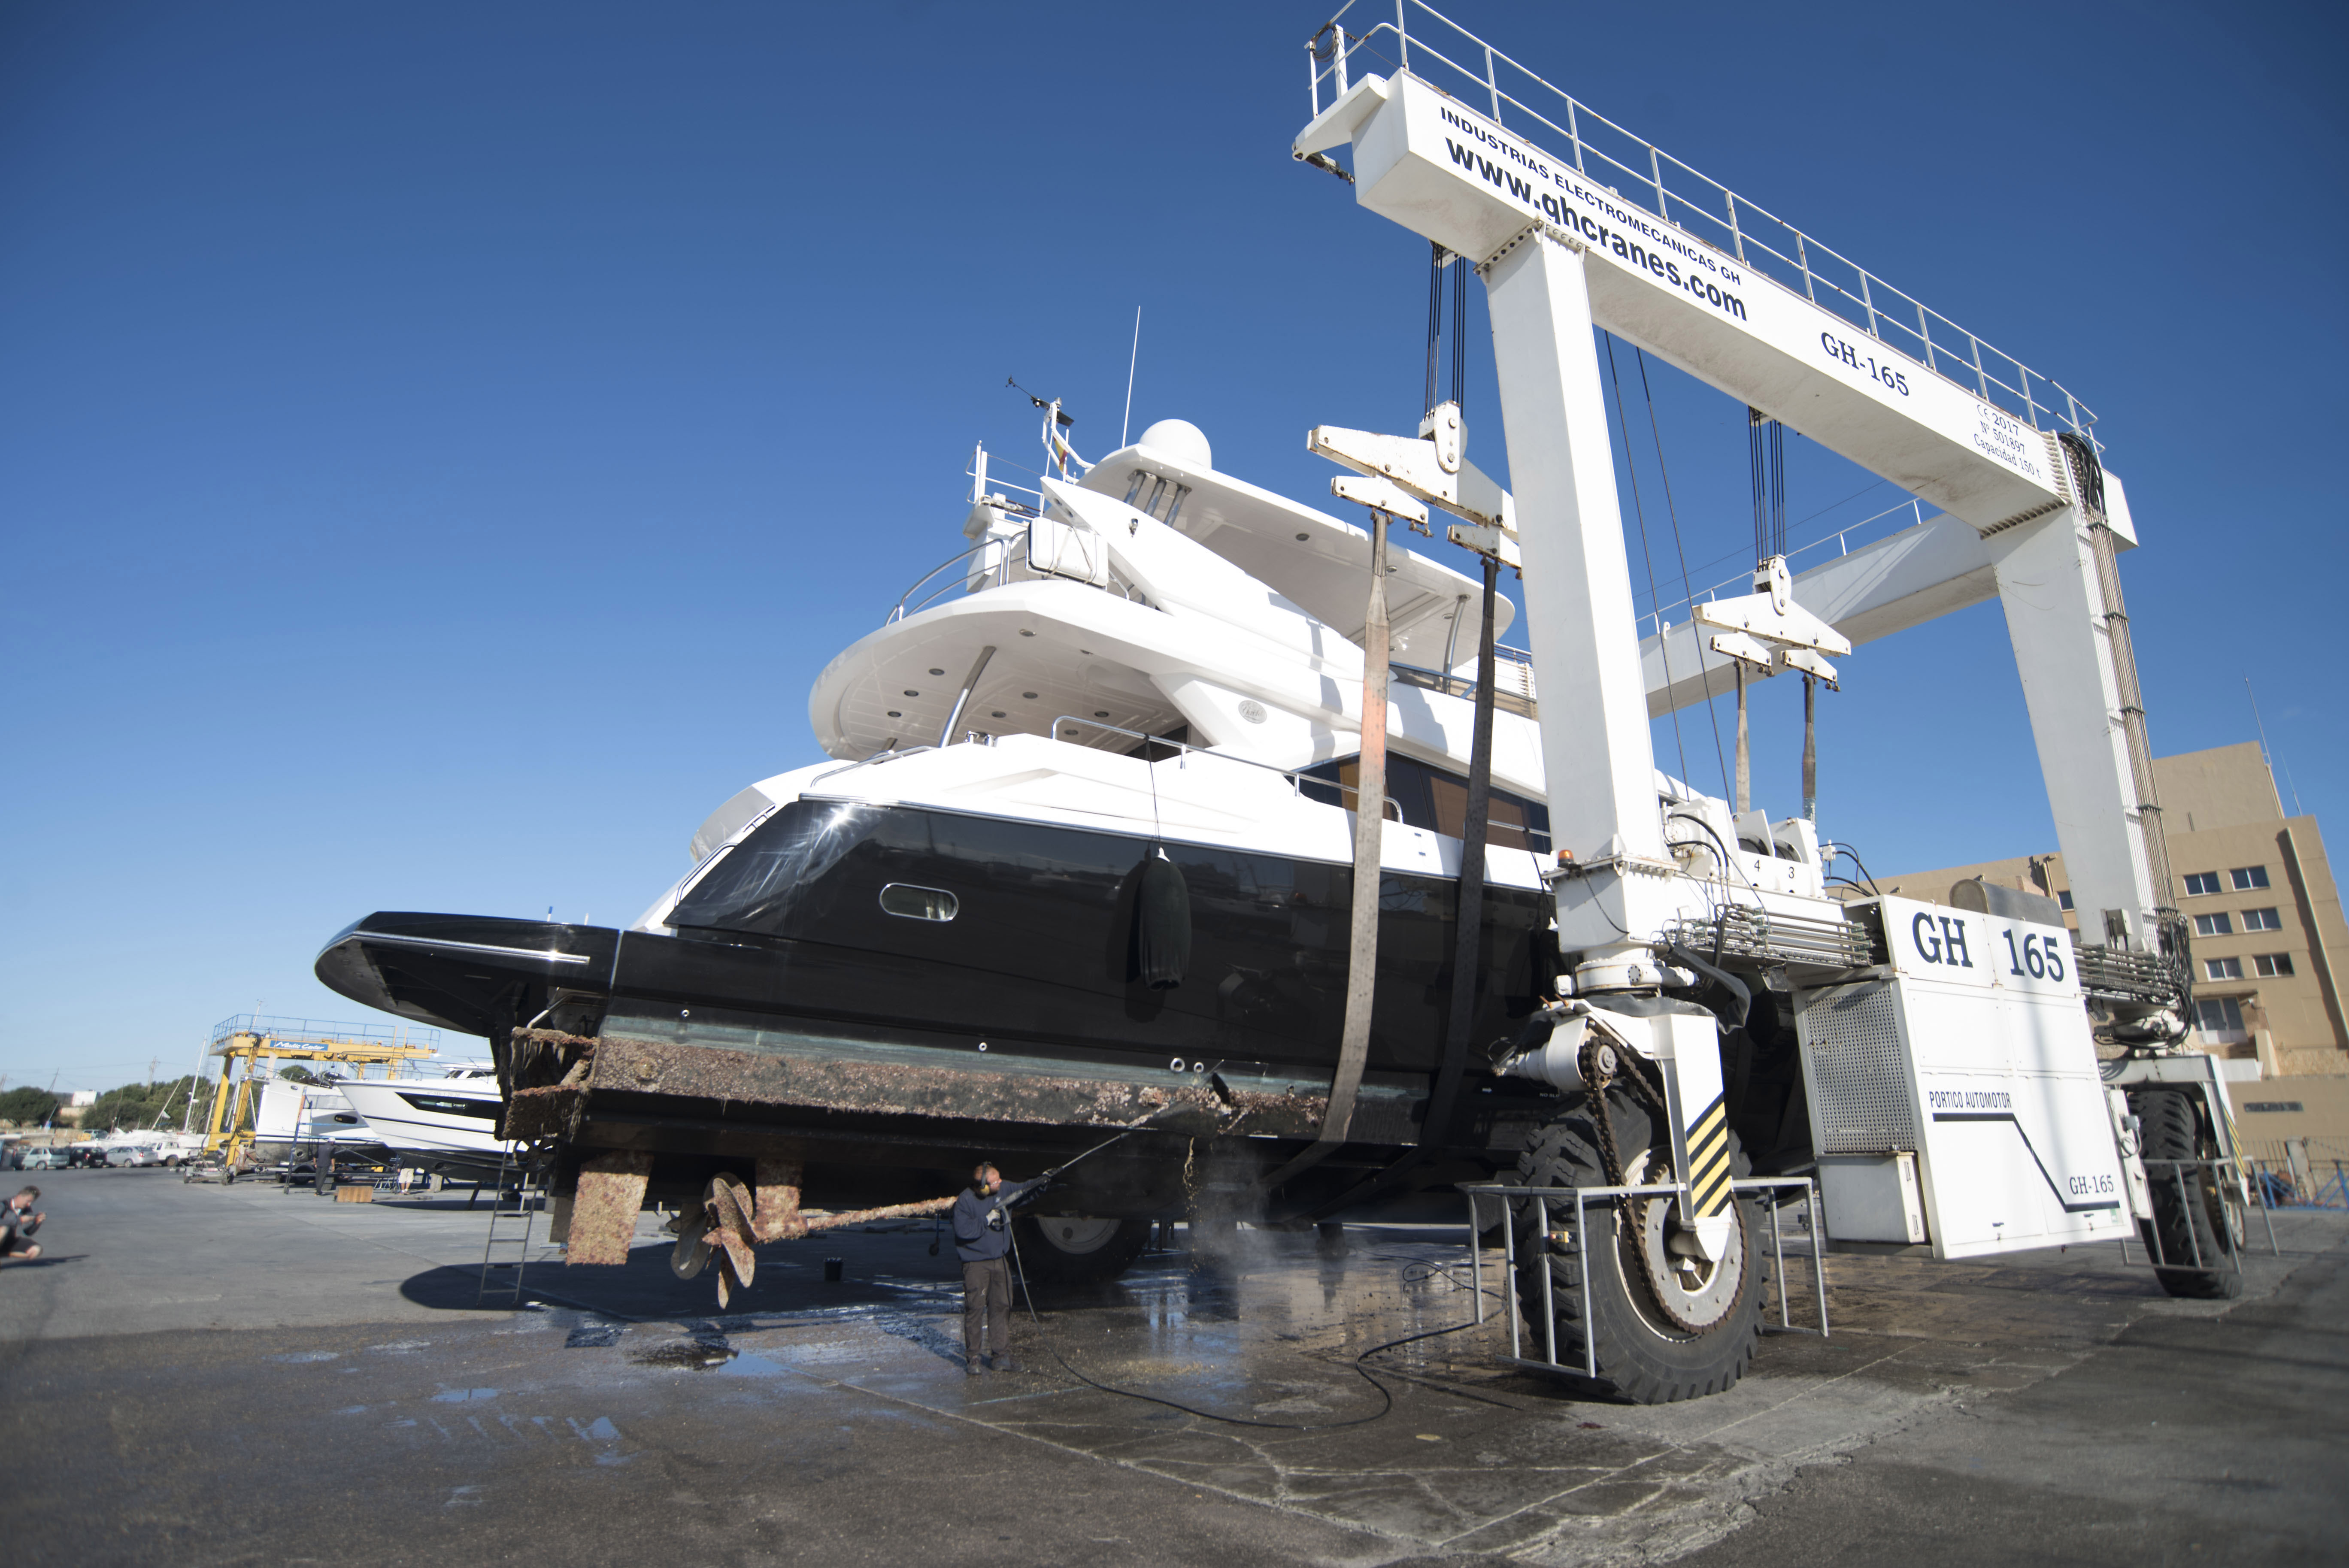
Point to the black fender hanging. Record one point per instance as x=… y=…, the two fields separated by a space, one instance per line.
x=1162 y=923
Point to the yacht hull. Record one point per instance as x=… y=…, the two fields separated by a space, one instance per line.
x=788 y=1013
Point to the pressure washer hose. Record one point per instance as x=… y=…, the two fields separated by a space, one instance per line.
x=1386 y=1394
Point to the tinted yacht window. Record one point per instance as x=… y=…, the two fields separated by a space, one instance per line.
x=1435 y=799
x=753 y=887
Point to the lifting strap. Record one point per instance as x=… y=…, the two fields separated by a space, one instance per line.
x=1369 y=827
x=1435 y=1128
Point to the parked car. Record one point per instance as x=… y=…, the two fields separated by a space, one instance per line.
x=48 y=1159
x=82 y=1155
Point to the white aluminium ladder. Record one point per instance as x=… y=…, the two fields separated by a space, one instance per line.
x=510 y=1224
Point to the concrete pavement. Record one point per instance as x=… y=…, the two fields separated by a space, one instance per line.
x=206 y=1375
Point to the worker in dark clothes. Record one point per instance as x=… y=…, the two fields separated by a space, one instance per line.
x=17 y=1224
x=982 y=1227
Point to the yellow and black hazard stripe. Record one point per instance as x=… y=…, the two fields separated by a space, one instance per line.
x=1709 y=1173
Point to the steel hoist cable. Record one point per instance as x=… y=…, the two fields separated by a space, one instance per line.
x=1647 y=556
x=1672 y=512
x=1435 y=255
x=1765 y=441
x=1438 y=259
x=1460 y=334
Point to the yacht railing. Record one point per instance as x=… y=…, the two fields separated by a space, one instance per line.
x=1654 y=181
x=985 y=483
x=1296 y=779
x=879 y=756
x=1521 y=703
x=1010 y=563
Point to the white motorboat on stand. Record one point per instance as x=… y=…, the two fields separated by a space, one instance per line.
x=445 y=1125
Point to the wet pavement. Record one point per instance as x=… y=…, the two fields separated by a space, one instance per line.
x=201 y=1375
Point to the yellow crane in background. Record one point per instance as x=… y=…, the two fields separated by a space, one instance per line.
x=258 y=1044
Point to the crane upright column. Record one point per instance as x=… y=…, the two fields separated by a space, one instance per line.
x=2048 y=587
x=1596 y=752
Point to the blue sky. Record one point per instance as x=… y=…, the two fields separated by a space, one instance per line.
x=439 y=444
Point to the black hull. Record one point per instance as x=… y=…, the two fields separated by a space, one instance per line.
x=791 y=929
x=785 y=951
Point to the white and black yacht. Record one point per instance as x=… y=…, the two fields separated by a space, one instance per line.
x=941 y=940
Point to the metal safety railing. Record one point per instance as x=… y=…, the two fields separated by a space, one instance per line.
x=1001 y=561
x=1636 y=172
x=1391 y=809
x=1578 y=1240
x=2302 y=1172
x=2164 y=1177
x=1743 y=581
x=321 y=1031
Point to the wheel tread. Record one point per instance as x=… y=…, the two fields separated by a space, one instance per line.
x=1565 y=1152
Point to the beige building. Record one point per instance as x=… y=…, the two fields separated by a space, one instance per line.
x=2256 y=887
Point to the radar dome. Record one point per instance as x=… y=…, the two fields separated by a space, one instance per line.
x=1182 y=440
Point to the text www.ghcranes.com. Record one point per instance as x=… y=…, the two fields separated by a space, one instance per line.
x=1649 y=256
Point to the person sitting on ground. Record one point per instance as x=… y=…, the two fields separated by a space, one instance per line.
x=982 y=1228
x=18 y=1222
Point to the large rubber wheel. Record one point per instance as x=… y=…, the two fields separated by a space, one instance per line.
x=1074 y=1250
x=2196 y=1223
x=1641 y=1353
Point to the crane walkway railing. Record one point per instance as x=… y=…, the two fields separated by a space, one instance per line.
x=1656 y=619
x=1428 y=45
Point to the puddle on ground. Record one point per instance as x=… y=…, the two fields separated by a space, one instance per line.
x=749 y=1365
x=693 y=1355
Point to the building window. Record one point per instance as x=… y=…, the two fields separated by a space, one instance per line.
x=2249 y=877
x=2219 y=1015
x=2260 y=920
x=2273 y=965
x=2064 y=898
x=2213 y=925
x=2200 y=883
x=2222 y=968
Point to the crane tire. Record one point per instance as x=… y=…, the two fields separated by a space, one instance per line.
x=2192 y=1224
x=1641 y=1355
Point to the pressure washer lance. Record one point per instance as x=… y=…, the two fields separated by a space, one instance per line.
x=937 y=1230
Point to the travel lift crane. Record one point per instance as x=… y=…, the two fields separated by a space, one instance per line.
x=1948 y=1054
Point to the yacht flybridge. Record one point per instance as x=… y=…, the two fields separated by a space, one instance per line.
x=1152 y=816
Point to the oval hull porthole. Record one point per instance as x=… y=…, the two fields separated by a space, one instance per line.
x=910 y=903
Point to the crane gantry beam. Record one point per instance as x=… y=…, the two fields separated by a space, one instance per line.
x=1562 y=251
